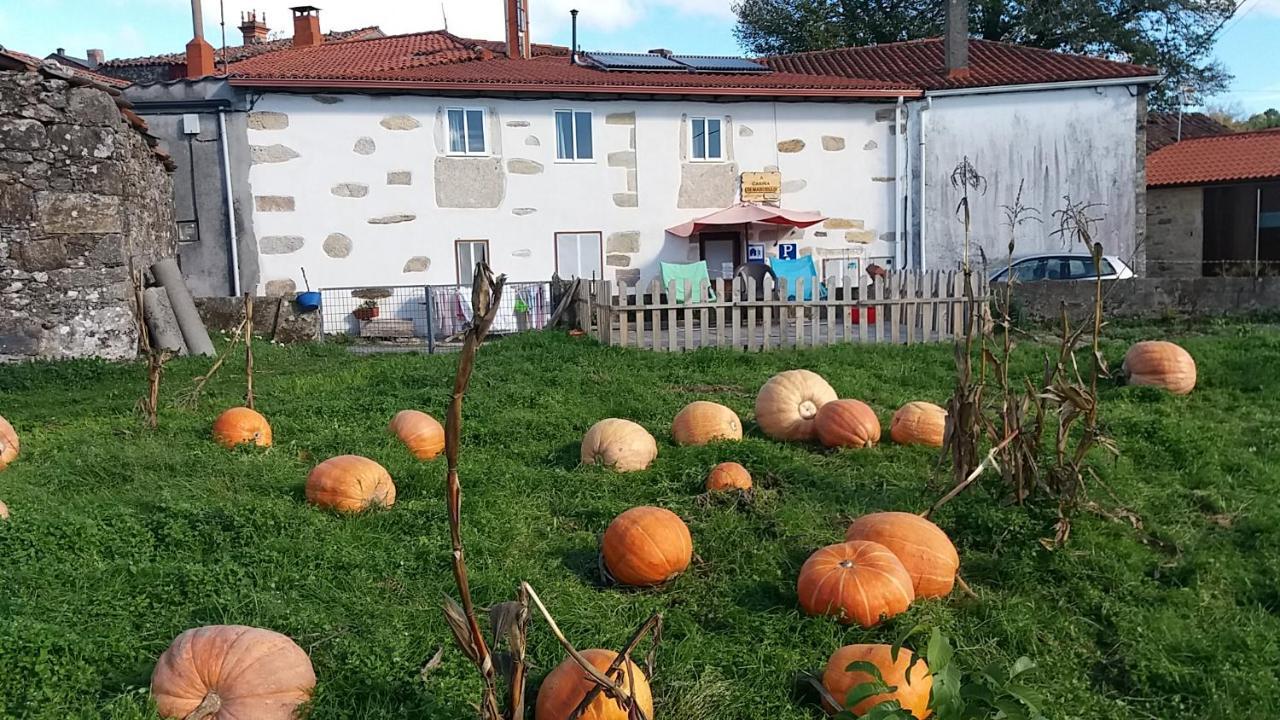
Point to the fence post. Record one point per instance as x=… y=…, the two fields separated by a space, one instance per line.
x=604 y=321
x=431 y=319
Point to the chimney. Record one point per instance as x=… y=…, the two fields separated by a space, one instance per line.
x=95 y=57
x=199 y=52
x=955 y=43
x=518 y=29
x=306 y=26
x=254 y=27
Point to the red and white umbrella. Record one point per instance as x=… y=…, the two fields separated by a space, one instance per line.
x=744 y=213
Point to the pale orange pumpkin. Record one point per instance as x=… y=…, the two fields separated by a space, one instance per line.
x=702 y=422
x=924 y=549
x=908 y=675
x=4 y=511
x=350 y=483
x=241 y=426
x=728 y=476
x=566 y=686
x=8 y=443
x=847 y=423
x=646 y=546
x=619 y=445
x=232 y=672
x=1160 y=364
x=788 y=404
x=856 y=581
x=919 y=423
x=421 y=433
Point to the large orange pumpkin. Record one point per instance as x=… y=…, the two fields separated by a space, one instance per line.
x=919 y=423
x=728 y=476
x=232 y=672
x=241 y=426
x=8 y=443
x=857 y=581
x=1160 y=364
x=619 y=445
x=910 y=676
x=350 y=483
x=568 y=684
x=924 y=549
x=647 y=546
x=847 y=423
x=788 y=403
x=421 y=433
x=701 y=422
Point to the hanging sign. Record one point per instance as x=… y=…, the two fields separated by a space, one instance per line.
x=761 y=186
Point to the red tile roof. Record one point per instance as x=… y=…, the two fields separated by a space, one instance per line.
x=36 y=62
x=1238 y=157
x=1162 y=128
x=921 y=62
x=236 y=53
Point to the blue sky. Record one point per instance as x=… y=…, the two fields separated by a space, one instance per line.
x=126 y=28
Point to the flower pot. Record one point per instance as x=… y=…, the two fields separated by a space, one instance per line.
x=365 y=314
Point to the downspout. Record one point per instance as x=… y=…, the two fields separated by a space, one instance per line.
x=231 y=215
x=924 y=166
x=899 y=210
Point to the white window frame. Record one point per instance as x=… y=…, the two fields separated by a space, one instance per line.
x=573 y=119
x=467 y=275
x=578 y=238
x=705 y=157
x=484 y=131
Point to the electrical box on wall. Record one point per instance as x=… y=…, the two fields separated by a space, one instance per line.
x=190 y=124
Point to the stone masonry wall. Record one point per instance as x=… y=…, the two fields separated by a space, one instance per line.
x=81 y=193
x=1149 y=298
x=1175 y=231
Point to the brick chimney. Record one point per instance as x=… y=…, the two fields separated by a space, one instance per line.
x=955 y=42
x=199 y=52
x=518 y=29
x=306 y=26
x=95 y=57
x=254 y=27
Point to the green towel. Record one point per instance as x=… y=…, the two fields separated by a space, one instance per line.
x=695 y=273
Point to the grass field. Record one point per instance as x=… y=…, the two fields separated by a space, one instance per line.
x=121 y=537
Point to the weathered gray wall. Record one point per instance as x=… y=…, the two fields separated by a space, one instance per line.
x=81 y=193
x=274 y=318
x=1175 y=232
x=1150 y=297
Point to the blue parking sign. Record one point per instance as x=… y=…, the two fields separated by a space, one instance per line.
x=786 y=251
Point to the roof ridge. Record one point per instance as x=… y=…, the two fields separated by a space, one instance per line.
x=846 y=48
x=1222 y=136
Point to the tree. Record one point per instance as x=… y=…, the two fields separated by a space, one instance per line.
x=1175 y=36
x=1265 y=120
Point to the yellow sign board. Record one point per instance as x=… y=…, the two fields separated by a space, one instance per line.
x=761 y=186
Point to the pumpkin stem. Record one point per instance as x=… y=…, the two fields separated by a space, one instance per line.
x=846 y=564
x=207 y=708
x=808 y=410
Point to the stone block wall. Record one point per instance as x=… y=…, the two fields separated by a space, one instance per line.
x=275 y=318
x=82 y=191
x=1175 y=231
x=1149 y=298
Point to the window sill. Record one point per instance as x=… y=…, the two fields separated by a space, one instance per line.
x=591 y=161
x=469 y=155
x=707 y=161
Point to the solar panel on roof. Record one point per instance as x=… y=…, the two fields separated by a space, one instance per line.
x=634 y=61
x=721 y=64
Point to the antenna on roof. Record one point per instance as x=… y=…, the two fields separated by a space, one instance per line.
x=444 y=15
x=222 y=20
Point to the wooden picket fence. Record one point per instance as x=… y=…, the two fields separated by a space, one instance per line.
x=903 y=308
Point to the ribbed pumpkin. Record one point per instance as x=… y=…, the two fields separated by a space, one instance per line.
x=701 y=422
x=232 y=672
x=568 y=684
x=1160 y=364
x=924 y=549
x=350 y=483
x=847 y=423
x=421 y=433
x=646 y=546
x=241 y=426
x=728 y=476
x=8 y=443
x=857 y=581
x=913 y=695
x=919 y=423
x=788 y=403
x=619 y=445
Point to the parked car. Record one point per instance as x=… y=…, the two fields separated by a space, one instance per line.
x=1062 y=266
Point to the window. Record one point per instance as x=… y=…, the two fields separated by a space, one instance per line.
x=469 y=253
x=1028 y=270
x=578 y=255
x=706 y=144
x=573 y=136
x=466 y=131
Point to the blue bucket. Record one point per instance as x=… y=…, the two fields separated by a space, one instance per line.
x=308 y=301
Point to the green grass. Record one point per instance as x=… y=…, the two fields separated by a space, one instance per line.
x=121 y=537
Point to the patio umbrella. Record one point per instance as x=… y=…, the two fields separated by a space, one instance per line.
x=744 y=213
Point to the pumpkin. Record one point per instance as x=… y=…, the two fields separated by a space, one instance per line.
x=646 y=546
x=910 y=676
x=856 y=581
x=919 y=423
x=728 y=476
x=350 y=483
x=619 y=445
x=232 y=672
x=567 y=685
x=701 y=422
x=787 y=405
x=924 y=549
x=421 y=433
x=241 y=426
x=847 y=423
x=4 y=511
x=1160 y=364
x=8 y=443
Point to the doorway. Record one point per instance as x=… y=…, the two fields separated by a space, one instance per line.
x=722 y=251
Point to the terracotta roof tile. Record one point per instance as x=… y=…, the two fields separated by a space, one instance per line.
x=1224 y=158
x=36 y=62
x=1162 y=128
x=236 y=53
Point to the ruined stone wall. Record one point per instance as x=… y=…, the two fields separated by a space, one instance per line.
x=81 y=192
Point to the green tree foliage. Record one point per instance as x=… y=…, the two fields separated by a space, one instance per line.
x=1270 y=118
x=1175 y=36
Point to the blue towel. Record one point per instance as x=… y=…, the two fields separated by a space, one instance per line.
x=799 y=268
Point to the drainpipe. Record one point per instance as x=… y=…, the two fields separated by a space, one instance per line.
x=900 y=160
x=924 y=176
x=231 y=215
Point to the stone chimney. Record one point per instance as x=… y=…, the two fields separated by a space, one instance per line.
x=306 y=26
x=254 y=27
x=95 y=57
x=955 y=42
x=518 y=29
x=199 y=52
